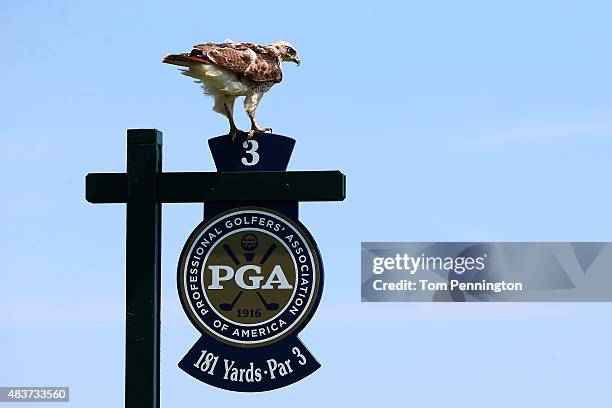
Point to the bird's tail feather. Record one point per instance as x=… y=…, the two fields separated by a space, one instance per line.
x=183 y=60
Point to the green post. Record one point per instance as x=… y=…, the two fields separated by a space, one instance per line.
x=143 y=269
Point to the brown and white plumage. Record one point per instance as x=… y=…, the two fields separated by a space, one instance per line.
x=229 y=70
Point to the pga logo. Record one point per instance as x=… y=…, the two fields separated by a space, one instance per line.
x=248 y=277
x=249 y=290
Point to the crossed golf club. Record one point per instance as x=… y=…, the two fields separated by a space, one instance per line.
x=268 y=306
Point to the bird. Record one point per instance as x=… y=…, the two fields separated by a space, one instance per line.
x=230 y=70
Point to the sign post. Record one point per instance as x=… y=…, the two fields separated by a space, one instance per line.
x=143 y=269
x=251 y=185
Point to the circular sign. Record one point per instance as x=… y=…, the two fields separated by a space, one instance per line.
x=250 y=277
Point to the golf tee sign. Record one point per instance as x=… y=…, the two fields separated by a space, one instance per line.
x=250 y=275
x=249 y=279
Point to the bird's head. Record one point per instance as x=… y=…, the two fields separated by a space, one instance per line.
x=286 y=51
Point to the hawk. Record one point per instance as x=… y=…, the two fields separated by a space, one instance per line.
x=229 y=70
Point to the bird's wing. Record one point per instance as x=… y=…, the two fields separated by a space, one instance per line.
x=265 y=68
x=251 y=60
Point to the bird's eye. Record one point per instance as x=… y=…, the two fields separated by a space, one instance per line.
x=291 y=51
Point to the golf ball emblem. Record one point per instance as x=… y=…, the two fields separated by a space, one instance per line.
x=249 y=277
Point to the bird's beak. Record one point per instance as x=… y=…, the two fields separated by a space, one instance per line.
x=297 y=60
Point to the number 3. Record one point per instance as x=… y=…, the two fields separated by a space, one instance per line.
x=252 y=151
x=299 y=355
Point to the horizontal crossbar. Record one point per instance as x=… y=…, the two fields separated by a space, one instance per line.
x=197 y=187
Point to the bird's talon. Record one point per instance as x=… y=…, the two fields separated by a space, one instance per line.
x=260 y=130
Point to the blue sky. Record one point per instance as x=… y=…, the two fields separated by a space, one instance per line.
x=473 y=120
